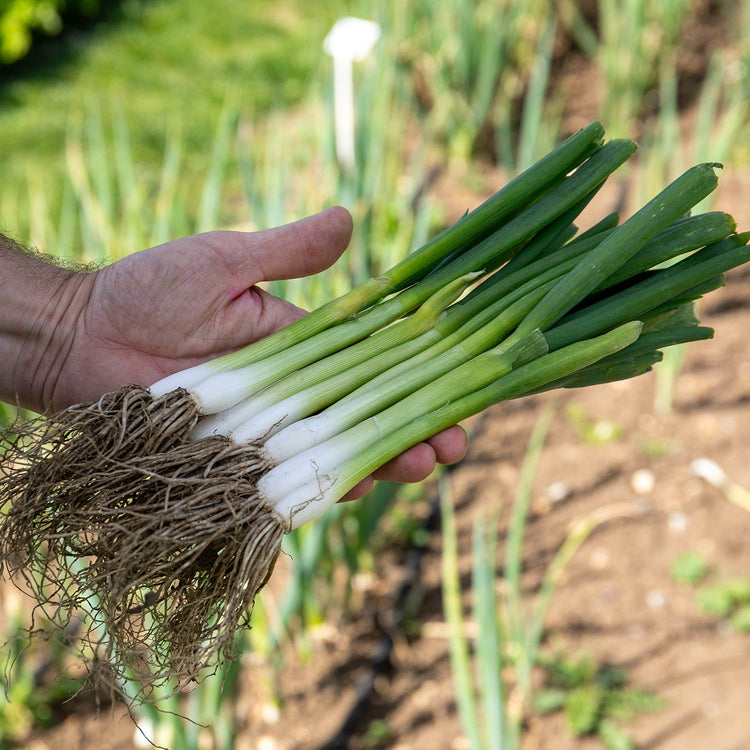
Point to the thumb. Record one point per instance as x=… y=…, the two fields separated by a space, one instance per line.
x=301 y=248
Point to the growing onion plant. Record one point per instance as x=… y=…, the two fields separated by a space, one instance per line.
x=177 y=496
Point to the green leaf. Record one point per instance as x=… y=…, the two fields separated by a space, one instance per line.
x=690 y=568
x=582 y=709
x=613 y=737
x=625 y=704
x=593 y=432
x=378 y=732
x=655 y=448
x=715 y=601
x=741 y=619
x=567 y=673
x=738 y=590
x=457 y=643
x=611 y=677
x=550 y=700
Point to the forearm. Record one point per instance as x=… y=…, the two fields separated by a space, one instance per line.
x=39 y=307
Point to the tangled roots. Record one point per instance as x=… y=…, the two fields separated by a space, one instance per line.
x=161 y=542
x=77 y=450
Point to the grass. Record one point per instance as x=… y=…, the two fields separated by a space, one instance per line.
x=163 y=63
x=592 y=431
x=636 y=36
x=727 y=599
x=689 y=568
x=480 y=70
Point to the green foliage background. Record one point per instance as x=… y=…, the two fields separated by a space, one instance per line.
x=21 y=19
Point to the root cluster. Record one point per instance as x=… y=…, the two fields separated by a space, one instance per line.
x=161 y=543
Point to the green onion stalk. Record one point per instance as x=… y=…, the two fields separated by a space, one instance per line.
x=178 y=496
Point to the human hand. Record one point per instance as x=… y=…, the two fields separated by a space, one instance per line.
x=162 y=310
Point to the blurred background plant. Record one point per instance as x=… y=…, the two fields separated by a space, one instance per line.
x=127 y=124
x=494 y=677
x=34 y=680
x=20 y=20
x=595 y=699
x=724 y=598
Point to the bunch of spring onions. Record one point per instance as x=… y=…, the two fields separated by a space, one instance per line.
x=161 y=511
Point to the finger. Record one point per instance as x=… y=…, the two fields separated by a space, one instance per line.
x=412 y=465
x=359 y=490
x=301 y=248
x=450 y=445
x=417 y=463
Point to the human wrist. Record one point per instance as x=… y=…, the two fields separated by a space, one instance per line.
x=41 y=306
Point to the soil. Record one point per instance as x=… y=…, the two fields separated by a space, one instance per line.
x=617 y=599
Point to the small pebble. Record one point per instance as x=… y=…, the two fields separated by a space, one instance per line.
x=724 y=627
x=655 y=599
x=707 y=469
x=677 y=522
x=557 y=492
x=643 y=481
x=600 y=558
x=605 y=431
x=270 y=713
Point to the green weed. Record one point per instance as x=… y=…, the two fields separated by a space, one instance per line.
x=655 y=448
x=594 y=698
x=377 y=734
x=593 y=431
x=726 y=598
x=34 y=679
x=690 y=568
